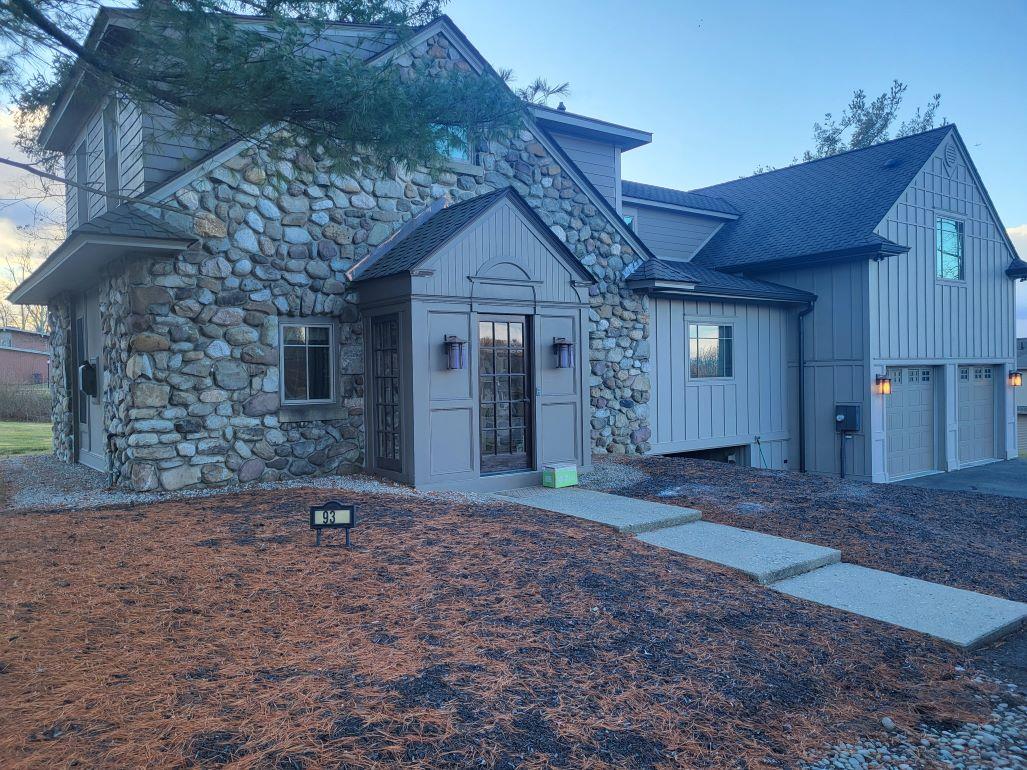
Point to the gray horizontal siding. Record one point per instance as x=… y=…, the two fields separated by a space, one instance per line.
x=598 y=161
x=166 y=150
x=673 y=235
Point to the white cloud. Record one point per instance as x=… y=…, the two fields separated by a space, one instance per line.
x=1018 y=235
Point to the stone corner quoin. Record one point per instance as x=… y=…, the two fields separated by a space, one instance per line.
x=191 y=342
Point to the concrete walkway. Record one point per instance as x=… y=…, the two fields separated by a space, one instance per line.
x=806 y=571
x=764 y=558
x=624 y=514
x=963 y=618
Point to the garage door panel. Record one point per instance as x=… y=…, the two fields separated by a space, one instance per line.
x=910 y=421
x=976 y=411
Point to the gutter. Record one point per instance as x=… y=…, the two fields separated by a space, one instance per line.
x=802 y=385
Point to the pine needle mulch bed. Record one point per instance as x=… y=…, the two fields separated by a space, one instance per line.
x=210 y=632
x=968 y=540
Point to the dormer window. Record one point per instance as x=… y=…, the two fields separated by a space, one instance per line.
x=948 y=247
x=111 y=151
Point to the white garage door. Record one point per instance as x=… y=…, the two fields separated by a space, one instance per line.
x=910 y=415
x=1021 y=433
x=976 y=413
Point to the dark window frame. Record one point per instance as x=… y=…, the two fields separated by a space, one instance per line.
x=306 y=345
x=725 y=338
x=112 y=151
x=82 y=178
x=940 y=253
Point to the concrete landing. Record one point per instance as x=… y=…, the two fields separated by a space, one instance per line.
x=963 y=618
x=764 y=558
x=625 y=514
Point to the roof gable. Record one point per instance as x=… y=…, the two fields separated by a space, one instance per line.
x=810 y=211
x=433 y=229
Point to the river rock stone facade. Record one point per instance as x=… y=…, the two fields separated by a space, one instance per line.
x=192 y=390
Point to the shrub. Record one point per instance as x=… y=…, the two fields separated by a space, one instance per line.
x=29 y=403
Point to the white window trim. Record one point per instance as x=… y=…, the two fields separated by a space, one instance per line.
x=689 y=323
x=938 y=215
x=332 y=361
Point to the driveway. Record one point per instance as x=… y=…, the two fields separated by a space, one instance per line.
x=1007 y=478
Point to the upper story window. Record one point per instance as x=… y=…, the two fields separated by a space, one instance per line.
x=82 y=177
x=308 y=355
x=111 y=149
x=6 y=340
x=631 y=220
x=948 y=247
x=710 y=351
x=459 y=147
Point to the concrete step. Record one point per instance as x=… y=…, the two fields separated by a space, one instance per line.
x=625 y=514
x=963 y=618
x=764 y=558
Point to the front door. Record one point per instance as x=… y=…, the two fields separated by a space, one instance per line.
x=87 y=381
x=504 y=377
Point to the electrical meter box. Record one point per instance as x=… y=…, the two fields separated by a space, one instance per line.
x=848 y=418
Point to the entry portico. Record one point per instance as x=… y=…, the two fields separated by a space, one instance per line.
x=489 y=281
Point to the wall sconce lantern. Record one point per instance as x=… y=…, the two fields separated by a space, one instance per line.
x=1016 y=379
x=456 y=352
x=564 y=351
x=883 y=385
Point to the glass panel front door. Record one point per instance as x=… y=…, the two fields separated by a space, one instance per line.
x=385 y=374
x=504 y=377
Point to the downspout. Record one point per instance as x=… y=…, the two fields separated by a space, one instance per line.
x=802 y=387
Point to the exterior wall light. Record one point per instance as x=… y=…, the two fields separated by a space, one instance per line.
x=883 y=385
x=456 y=352
x=564 y=351
x=1016 y=379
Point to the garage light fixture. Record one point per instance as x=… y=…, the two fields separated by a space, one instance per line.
x=564 y=350
x=883 y=385
x=456 y=352
x=1016 y=379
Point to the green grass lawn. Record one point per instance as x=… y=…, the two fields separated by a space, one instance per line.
x=24 y=438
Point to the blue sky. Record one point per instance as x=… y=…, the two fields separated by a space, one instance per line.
x=729 y=85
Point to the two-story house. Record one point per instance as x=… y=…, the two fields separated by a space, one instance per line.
x=263 y=319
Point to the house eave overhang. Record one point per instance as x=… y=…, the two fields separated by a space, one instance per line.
x=76 y=263
x=629 y=199
x=1017 y=270
x=697 y=291
x=875 y=252
x=564 y=122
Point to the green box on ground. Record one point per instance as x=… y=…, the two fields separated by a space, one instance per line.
x=558 y=475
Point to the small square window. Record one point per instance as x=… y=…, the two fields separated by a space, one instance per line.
x=948 y=247
x=307 y=363
x=710 y=351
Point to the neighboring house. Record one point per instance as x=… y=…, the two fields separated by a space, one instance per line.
x=1021 y=396
x=525 y=306
x=24 y=357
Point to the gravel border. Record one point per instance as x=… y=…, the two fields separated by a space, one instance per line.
x=42 y=483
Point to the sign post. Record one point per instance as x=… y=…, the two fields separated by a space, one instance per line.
x=332 y=515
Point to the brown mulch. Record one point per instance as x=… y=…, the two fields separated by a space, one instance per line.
x=963 y=539
x=210 y=632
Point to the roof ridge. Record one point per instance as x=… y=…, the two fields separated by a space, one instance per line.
x=946 y=126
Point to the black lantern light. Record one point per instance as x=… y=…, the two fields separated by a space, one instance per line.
x=883 y=385
x=564 y=350
x=456 y=352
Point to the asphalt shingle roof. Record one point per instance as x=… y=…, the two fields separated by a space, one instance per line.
x=819 y=207
x=427 y=232
x=690 y=200
x=709 y=281
x=127 y=221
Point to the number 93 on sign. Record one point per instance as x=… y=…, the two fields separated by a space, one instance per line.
x=332 y=515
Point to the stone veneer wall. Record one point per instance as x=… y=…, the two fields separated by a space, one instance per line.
x=59 y=313
x=193 y=391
